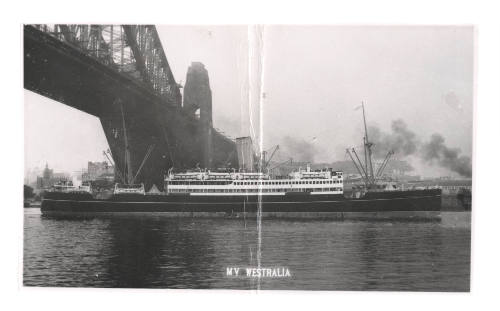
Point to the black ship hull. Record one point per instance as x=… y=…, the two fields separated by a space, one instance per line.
x=397 y=204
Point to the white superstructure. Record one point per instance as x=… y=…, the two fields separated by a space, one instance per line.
x=129 y=189
x=69 y=187
x=236 y=183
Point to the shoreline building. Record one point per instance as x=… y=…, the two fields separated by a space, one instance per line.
x=49 y=178
x=98 y=170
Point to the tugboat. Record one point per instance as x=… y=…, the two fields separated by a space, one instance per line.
x=65 y=190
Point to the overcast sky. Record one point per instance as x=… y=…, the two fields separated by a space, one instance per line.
x=314 y=77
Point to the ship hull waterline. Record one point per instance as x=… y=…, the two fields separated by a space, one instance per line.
x=396 y=205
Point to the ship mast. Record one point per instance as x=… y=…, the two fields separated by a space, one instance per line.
x=368 y=149
x=366 y=169
x=128 y=162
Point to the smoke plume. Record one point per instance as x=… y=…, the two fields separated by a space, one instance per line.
x=435 y=151
x=405 y=142
x=298 y=149
x=402 y=141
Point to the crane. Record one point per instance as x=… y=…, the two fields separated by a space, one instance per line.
x=265 y=161
x=148 y=153
x=361 y=173
x=364 y=175
x=384 y=163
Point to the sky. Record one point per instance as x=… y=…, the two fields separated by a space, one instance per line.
x=313 y=78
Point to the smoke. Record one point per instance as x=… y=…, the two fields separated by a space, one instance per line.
x=402 y=141
x=435 y=151
x=405 y=142
x=298 y=149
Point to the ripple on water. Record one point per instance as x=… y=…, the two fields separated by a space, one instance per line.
x=156 y=252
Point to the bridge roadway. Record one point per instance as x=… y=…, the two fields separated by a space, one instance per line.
x=125 y=106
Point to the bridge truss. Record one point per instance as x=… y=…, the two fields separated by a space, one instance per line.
x=134 y=50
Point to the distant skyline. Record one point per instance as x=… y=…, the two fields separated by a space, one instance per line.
x=314 y=77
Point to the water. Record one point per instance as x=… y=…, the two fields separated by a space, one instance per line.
x=160 y=252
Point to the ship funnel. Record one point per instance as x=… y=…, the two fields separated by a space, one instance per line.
x=244 y=148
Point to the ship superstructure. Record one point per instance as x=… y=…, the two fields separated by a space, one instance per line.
x=68 y=187
x=324 y=181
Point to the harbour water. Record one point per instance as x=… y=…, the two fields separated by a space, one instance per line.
x=160 y=252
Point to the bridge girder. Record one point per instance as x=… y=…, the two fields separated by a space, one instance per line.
x=135 y=50
x=88 y=79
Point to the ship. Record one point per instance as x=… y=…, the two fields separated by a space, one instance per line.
x=251 y=191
